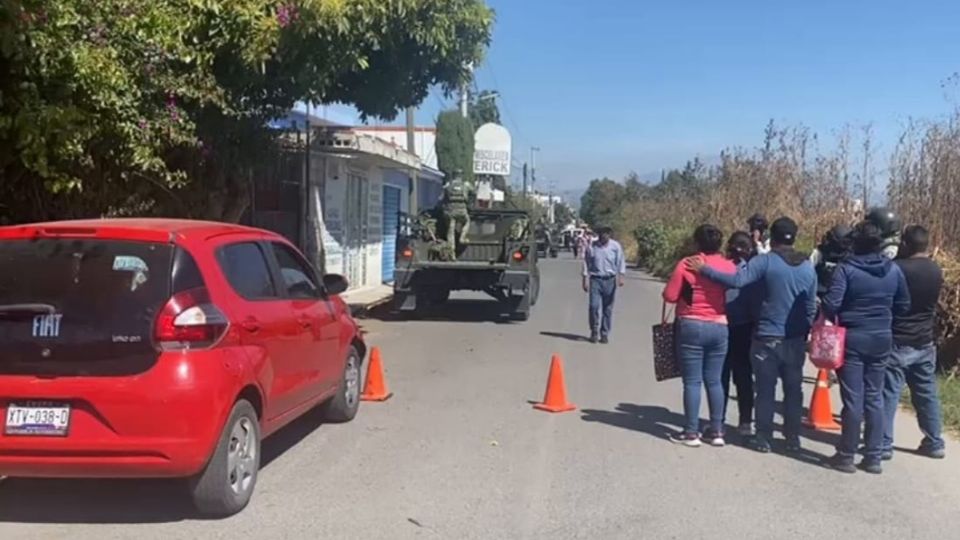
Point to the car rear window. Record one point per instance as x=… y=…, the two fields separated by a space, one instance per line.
x=80 y=306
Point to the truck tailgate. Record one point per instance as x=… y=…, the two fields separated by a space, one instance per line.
x=482 y=252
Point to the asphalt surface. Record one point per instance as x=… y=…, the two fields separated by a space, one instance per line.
x=459 y=453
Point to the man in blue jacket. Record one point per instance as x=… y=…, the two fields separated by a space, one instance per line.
x=789 y=306
x=866 y=292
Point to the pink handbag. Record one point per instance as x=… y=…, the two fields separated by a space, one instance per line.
x=827 y=344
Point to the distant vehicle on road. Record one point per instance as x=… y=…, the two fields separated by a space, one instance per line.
x=499 y=258
x=164 y=348
x=546 y=246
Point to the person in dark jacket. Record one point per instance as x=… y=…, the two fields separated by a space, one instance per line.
x=789 y=290
x=833 y=249
x=742 y=307
x=914 y=357
x=866 y=292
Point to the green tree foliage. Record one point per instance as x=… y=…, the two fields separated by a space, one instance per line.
x=455 y=144
x=484 y=109
x=634 y=188
x=166 y=102
x=602 y=201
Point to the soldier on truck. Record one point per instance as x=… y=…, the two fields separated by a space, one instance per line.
x=455 y=211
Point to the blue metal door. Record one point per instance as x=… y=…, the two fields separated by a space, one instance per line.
x=391 y=218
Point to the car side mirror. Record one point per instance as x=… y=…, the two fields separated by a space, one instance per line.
x=335 y=283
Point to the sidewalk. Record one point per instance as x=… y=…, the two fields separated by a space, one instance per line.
x=367 y=298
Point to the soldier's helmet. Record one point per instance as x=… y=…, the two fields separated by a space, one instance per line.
x=840 y=236
x=758 y=222
x=885 y=219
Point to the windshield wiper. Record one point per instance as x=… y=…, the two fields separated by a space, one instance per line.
x=27 y=309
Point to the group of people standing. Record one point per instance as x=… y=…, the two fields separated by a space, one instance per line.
x=745 y=310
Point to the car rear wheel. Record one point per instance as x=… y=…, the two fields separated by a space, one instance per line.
x=226 y=484
x=343 y=406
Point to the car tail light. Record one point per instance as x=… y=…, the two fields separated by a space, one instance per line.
x=407 y=253
x=190 y=320
x=518 y=256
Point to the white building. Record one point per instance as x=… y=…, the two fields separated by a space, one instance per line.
x=342 y=201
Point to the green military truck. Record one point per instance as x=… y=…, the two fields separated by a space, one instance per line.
x=496 y=255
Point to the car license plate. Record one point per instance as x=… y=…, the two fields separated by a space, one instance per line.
x=38 y=418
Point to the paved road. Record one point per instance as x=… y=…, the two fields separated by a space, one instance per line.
x=459 y=453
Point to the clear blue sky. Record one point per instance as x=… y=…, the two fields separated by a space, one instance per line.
x=609 y=86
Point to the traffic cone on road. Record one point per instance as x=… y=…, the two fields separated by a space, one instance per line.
x=555 y=398
x=821 y=410
x=375 y=388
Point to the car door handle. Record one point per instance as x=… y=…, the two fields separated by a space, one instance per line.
x=305 y=322
x=250 y=325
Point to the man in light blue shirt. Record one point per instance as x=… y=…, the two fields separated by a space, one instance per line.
x=604 y=268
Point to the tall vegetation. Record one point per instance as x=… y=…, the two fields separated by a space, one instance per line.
x=792 y=172
x=455 y=144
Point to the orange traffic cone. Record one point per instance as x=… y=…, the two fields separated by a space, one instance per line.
x=821 y=410
x=375 y=388
x=555 y=398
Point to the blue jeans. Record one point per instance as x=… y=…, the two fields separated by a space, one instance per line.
x=702 y=348
x=917 y=367
x=602 y=293
x=773 y=359
x=861 y=390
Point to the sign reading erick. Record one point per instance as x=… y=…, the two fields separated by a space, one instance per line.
x=491 y=155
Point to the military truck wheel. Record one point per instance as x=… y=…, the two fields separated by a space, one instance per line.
x=520 y=315
x=520 y=304
x=534 y=291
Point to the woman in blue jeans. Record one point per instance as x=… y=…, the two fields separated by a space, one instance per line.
x=702 y=337
x=866 y=291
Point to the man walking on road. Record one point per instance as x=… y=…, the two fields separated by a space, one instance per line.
x=604 y=268
x=914 y=357
x=789 y=306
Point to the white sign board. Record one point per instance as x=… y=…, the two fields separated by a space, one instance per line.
x=491 y=150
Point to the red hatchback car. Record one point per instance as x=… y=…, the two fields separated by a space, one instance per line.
x=164 y=348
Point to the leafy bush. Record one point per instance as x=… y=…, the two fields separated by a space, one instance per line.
x=651 y=241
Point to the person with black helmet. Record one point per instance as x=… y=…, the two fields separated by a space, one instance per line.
x=835 y=246
x=758 y=225
x=867 y=293
x=889 y=224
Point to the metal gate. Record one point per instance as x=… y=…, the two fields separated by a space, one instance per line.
x=391 y=217
x=355 y=241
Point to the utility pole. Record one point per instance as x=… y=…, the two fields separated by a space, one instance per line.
x=533 y=167
x=464 y=101
x=465 y=92
x=412 y=148
x=552 y=211
x=523 y=193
